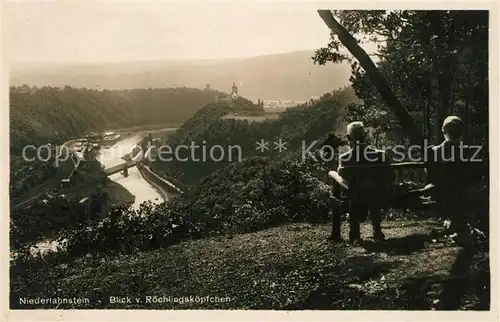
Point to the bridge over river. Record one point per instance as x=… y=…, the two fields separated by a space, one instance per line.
x=122 y=167
x=130 y=162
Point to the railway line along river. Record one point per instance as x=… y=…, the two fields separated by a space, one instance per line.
x=135 y=183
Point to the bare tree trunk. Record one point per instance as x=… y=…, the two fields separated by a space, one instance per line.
x=466 y=110
x=451 y=105
x=377 y=78
x=443 y=66
x=427 y=114
x=442 y=109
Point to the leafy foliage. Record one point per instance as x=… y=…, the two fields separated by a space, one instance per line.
x=435 y=61
x=49 y=114
x=50 y=219
x=27 y=174
x=420 y=55
x=300 y=125
x=242 y=197
x=256 y=193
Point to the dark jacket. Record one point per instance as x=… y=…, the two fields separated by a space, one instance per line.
x=448 y=171
x=367 y=172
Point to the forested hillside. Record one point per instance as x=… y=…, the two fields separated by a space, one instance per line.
x=49 y=114
x=299 y=125
x=264 y=189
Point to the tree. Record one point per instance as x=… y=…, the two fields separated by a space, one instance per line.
x=436 y=63
x=377 y=78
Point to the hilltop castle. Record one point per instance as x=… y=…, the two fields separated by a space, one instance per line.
x=221 y=97
x=234 y=91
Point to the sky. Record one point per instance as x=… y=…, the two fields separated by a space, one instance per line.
x=65 y=32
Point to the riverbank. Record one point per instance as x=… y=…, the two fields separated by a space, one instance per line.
x=152 y=127
x=135 y=183
x=168 y=190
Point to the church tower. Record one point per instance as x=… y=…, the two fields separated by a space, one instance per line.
x=234 y=91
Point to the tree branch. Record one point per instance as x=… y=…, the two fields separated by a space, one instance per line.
x=377 y=78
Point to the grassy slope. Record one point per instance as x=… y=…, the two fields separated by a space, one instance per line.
x=287 y=267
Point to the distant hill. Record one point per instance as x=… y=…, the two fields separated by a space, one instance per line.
x=287 y=76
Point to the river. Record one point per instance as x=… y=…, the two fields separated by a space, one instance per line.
x=135 y=182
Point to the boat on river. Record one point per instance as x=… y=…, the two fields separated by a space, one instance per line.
x=110 y=138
